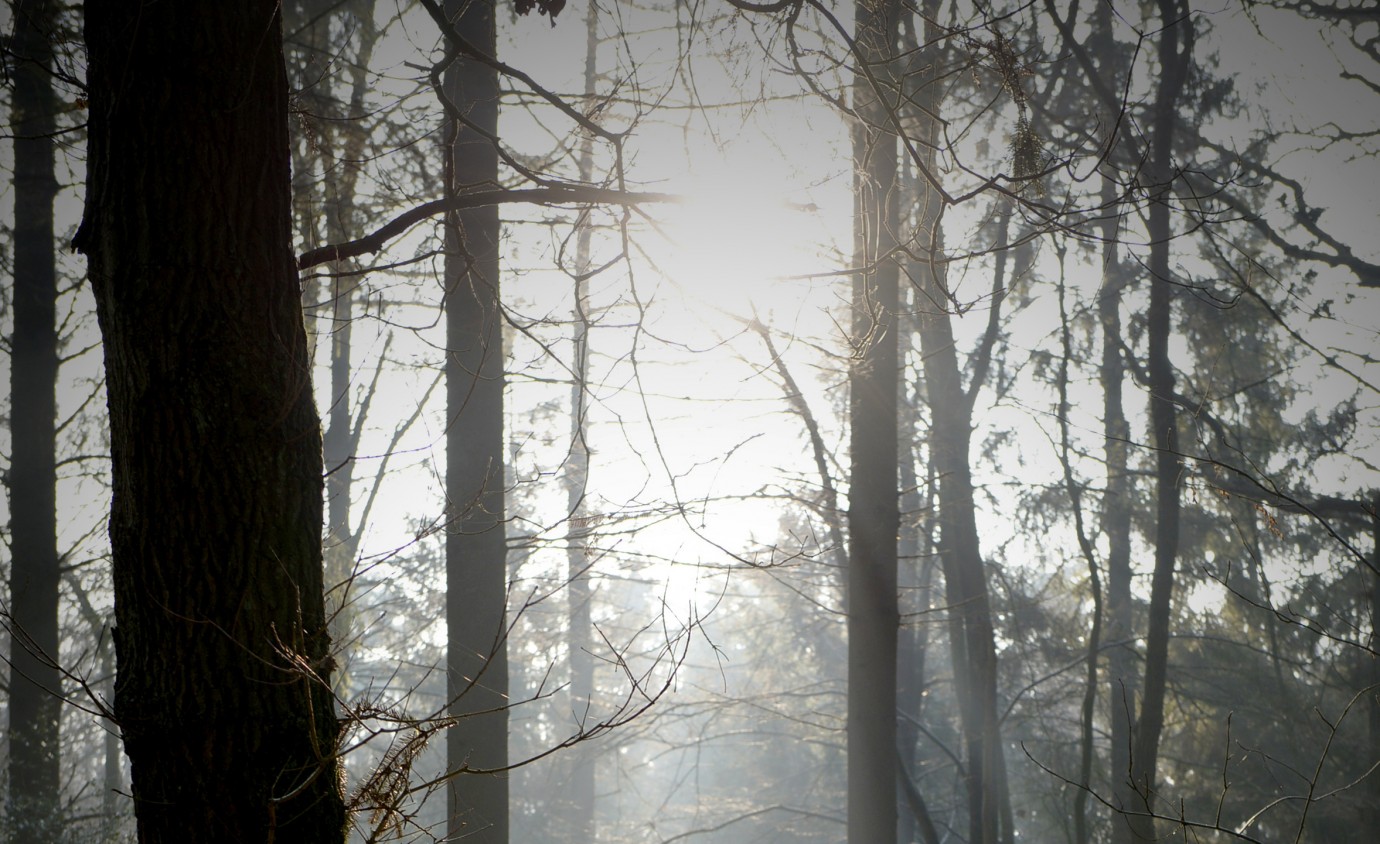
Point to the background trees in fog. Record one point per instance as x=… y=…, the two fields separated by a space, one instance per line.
x=773 y=422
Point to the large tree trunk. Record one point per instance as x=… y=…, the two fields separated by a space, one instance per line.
x=476 y=550
x=34 y=812
x=873 y=507
x=223 y=693
x=1177 y=30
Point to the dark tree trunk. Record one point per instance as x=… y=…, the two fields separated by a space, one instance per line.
x=971 y=633
x=1177 y=30
x=1085 y=546
x=966 y=586
x=873 y=507
x=223 y=693
x=476 y=550
x=34 y=813
x=114 y=807
x=1116 y=525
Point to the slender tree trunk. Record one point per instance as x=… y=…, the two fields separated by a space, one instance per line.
x=873 y=508
x=963 y=570
x=580 y=782
x=971 y=633
x=1177 y=30
x=1116 y=525
x=222 y=691
x=340 y=441
x=34 y=812
x=910 y=649
x=1373 y=702
x=1085 y=547
x=916 y=573
x=476 y=548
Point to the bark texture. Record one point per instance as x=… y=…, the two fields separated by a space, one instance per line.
x=33 y=811
x=476 y=550
x=222 y=694
x=873 y=505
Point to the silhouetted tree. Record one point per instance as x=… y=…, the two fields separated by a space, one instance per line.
x=873 y=502
x=223 y=691
x=476 y=550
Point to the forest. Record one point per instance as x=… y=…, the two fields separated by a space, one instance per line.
x=694 y=421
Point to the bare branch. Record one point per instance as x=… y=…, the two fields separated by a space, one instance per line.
x=573 y=195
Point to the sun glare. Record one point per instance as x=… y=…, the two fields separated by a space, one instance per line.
x=733 y=242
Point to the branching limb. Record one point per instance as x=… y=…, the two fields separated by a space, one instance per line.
x=575 y=195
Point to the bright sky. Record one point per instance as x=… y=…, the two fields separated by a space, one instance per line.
x=685 y=397
x=683 y=410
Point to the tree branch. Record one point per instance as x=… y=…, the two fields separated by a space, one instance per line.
x=372 y=243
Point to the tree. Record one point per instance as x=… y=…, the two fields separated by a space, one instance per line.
x=223 y=695
x=333 y=139
x=476 y=550
x=873 y=502
x=580 y=777
x=1175 y=55
x=33 y=811
x=658 y=450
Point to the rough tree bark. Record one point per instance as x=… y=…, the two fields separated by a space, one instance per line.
x=34 y=813
x=873 y=506
x=476 y=549
x=222 y=694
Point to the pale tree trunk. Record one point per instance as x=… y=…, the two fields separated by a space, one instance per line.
x=1175 y=49
x=915 y=576
x=1373 y=657
x=580 y=780
x=222 y=693
x=340 y=441
x=873 y=517
x=34 y=813
x=476 y=549
x=335 y=144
